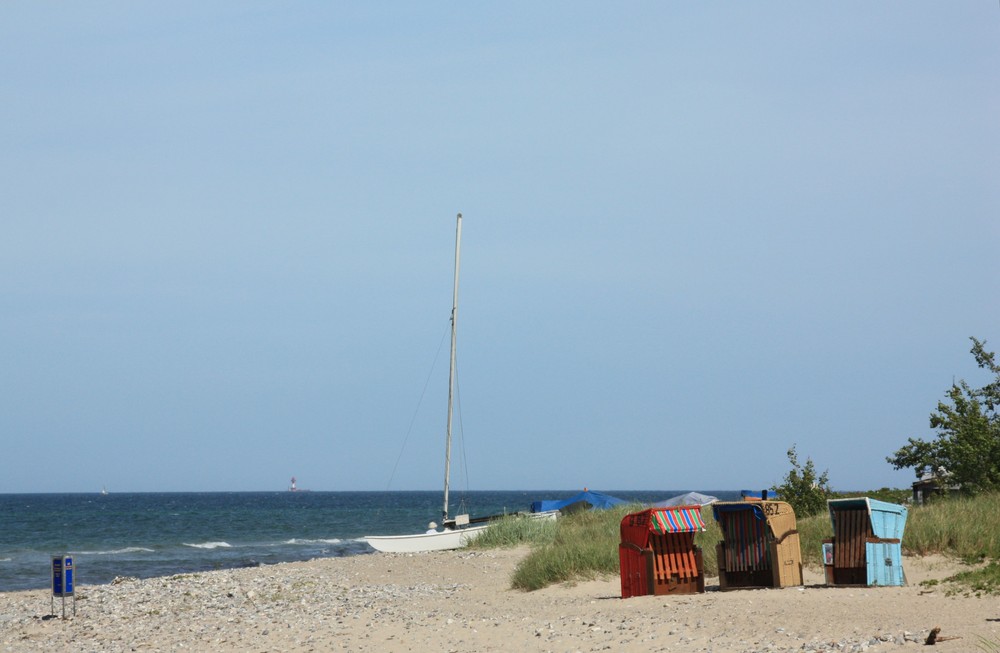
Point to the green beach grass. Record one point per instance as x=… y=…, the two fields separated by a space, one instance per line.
x=584 y=546
x=966 y=527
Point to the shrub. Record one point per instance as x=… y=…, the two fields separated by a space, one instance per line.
x=806 y=491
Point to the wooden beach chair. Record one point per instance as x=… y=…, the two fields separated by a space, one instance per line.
x=657 y=553
x=760 y=545
x=867 y=542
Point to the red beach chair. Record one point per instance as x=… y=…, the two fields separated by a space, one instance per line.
x=657 y=553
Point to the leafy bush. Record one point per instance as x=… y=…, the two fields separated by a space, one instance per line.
x=806 y=491
x=967 y=450
x=889 y=495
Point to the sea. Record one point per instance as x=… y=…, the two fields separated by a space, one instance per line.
x=144 y=535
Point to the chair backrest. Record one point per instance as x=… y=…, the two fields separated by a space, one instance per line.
x=852 y=531
x=673 y=556
x=746 y=541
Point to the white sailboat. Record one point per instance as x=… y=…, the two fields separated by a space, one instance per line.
x=456 y=532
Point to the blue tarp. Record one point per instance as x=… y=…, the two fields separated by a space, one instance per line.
x=595 y=499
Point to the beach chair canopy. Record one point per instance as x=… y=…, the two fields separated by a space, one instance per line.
x=744 y=506
x=673 y=519
x=677 y=519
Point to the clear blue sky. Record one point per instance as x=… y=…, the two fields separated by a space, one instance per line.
x=695 y=234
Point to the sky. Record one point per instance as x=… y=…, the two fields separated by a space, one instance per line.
x=694 y=235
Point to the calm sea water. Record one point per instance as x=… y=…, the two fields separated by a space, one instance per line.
x=152 y=534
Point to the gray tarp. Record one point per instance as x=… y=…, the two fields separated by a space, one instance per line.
x=689 y=499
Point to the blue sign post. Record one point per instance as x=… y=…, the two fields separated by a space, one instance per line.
x=63 y=581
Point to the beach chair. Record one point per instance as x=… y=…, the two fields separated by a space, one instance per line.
x=867 y=542
x=760 y=545
x=657 y=553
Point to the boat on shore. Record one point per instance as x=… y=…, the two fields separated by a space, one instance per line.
x=456 y=531
x=450 y=538
x=454 y=537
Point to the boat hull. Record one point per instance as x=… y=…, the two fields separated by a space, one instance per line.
x=441 y=541
x=445 y=540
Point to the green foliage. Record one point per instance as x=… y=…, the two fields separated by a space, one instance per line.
x=812 y=531
x=514 y=530
x=985 y=580
x=967 y=447
x=887 y=494
x=707 y=540
x=806 y=491
x=585 y=546
x=965 y=527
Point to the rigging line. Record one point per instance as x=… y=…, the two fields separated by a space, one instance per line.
x=463 y=503
x=420 y=402
x=461 y=426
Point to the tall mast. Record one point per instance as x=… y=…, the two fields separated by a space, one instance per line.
x=451 y=370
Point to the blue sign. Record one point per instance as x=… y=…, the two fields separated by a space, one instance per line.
x=62 y=576
x=68 y=576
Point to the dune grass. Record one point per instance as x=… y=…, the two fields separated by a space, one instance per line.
x=966 y=527
x=515 y=530
x=584 y=546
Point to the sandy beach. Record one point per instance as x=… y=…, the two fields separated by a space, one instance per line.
x=461 y=601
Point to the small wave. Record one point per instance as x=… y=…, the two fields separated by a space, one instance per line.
x=210 y=545
x=6 y=559
x=129 y=549
x=298 y=541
